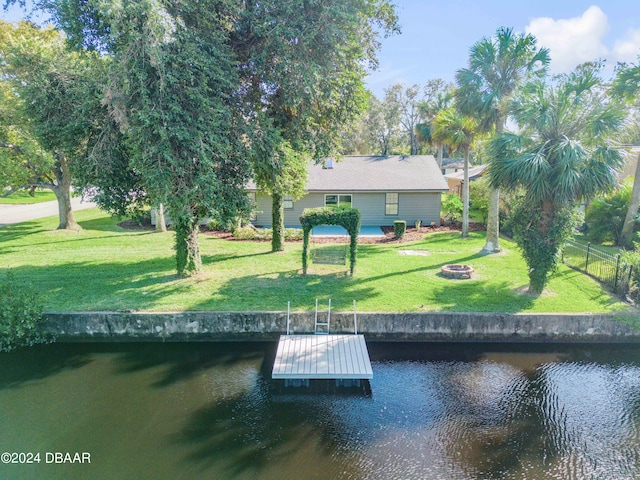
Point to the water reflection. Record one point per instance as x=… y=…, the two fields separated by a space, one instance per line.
x=432 y=412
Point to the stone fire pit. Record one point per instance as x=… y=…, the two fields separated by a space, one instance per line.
x=457 y=270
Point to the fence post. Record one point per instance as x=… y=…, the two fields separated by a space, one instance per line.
x=586 y=264
x=615 y=282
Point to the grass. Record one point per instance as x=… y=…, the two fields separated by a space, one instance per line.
x=23 y=197
x=104 y=267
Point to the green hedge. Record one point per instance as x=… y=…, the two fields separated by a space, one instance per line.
x=399 y=228
x=20 y=315
x=348 y=218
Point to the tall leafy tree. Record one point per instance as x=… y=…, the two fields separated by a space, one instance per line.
x=627 y=86
x=497 y=66
x=173 y=93
x=55 y=96
x=457 y=130
x=24 y=164
x=303 y=68
x=560 y=157
x=382 y=126
x=406 y=102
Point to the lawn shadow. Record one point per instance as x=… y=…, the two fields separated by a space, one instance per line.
x=104 y=285
x=272 y=290
x=18 y=230
x=466 y=295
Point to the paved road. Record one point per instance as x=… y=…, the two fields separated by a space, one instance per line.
x=10 y=214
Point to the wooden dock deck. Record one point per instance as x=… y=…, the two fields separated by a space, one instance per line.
x=306 y=357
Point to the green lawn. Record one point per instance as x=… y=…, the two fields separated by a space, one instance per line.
x=23 y=197
x=106 y=268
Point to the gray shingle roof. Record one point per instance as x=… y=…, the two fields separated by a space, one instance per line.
x=474 y=172
x=371 y=173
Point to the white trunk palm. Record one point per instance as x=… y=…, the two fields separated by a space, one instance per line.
x=497 y=66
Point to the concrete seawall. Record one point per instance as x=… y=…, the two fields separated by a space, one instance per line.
x=268 y=326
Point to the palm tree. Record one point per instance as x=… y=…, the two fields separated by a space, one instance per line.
x=497 y=66
x=560 y=158
x=627 y=86
x=429 y=111
x=456 y=130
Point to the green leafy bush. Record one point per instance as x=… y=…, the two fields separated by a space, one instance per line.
x=399 y=228
x=632 y=258
x=451 y=207
x=252 y=233
x=247 y=233
x=605 y=216
x=479 y=198
x=20 y=315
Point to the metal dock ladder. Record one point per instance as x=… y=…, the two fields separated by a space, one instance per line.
x=322 y=328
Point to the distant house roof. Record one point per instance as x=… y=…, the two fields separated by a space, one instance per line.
x=474 y=172
x=376 y=173
x=452 y=163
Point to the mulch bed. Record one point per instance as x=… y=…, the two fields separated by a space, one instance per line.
x=410 y=235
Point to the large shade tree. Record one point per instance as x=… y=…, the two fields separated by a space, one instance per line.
x=302 y=67
x=497 y=66
x=627 y=86
x=559 y=158
x=54 y=96
x=172 y=91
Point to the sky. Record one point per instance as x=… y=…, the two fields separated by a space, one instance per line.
x=436 y=35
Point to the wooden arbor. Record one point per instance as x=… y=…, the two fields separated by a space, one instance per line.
x=349 y=218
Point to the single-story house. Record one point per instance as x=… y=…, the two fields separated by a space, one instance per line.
x=383 y=188
x=455 y=180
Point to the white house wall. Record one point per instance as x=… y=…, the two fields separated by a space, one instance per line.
x=412 y=206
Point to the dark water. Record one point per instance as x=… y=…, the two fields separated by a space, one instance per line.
x=209 y=411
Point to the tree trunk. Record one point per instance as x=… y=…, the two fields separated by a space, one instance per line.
x=63 y=195
x=626 y=237
x=277 y=223
x=413 y=143
x=161 y=226
x=492 y=243
x=188 y=260
x=465 y=195
x=440 y=149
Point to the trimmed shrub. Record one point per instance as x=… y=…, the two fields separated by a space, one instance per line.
x=20 y=315
x=399 y=228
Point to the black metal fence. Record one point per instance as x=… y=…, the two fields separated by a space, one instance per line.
x=607 y=268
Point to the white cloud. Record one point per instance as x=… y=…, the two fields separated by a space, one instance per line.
x=572 y=41
x=627 y=49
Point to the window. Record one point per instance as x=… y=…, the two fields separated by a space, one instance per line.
x=337 y=201
x=391 y=204
x=287 y=200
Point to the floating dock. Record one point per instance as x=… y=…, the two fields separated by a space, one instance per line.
x=308 y=357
